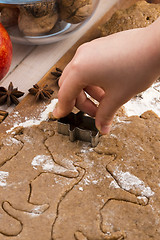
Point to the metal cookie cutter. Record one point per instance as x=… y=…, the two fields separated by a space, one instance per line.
x=79 y=127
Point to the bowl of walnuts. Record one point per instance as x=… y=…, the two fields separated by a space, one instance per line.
x=44 y=21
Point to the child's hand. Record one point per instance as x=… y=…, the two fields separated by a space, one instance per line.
x=112 y=70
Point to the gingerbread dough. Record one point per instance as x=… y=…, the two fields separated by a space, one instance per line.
x=139 y=15
x=54 y=189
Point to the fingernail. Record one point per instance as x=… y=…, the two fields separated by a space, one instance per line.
x=51 y=117
x=105 y=129
x=54 y=113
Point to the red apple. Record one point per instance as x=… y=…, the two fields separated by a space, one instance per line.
x=5 y=52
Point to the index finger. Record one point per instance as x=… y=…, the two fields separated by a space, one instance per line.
x=69 y=90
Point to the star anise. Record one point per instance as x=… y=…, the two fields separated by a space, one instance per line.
x=41 y=92
x=10 y=96
x=57 y=74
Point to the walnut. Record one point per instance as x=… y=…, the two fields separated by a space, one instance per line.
x=139 y=15
x=75 y=11
x=40 y=9
x=36 y=19
x=9 y=16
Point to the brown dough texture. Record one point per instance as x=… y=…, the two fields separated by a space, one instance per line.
x=54 y=189
x=141 y=14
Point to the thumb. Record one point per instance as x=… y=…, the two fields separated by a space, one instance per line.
x=105 y=113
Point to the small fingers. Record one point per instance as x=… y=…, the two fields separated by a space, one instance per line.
x=85 y=104
x=95 y=92
x=64 y=74
x=67 y=95
x=105 y=113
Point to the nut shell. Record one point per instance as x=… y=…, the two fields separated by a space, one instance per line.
x=9 y=16
x=39 y=9
x=32 y=26
x=38 y=18
x=75 y=11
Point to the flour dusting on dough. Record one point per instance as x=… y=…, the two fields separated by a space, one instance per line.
x=114 y=184
x=10 y=141
x=144 y=199
x=149 y=100
x=47 y=164
x=38 y=210
x=86 y=148
x=68 y=163
x=3 y=178
x=130 y=182
x=32 y=214
x=34 y=122
x=44 y=161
